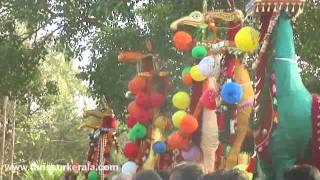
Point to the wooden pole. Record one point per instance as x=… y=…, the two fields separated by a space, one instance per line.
x=6 y=99
x=13 y=135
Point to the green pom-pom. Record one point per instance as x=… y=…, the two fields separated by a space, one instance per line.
x=141 y=131
x=186 y=70
x=93 y=175
x=275 y=102
x=132 y=135
x=199 y=52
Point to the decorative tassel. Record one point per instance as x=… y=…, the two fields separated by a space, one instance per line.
x=287 y=8
x=292 y=10
x=263 y=7
x=269 y=6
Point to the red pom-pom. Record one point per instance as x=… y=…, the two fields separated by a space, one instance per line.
x=189 y=124
x=130 y=150
x=208 y=99
x=136 y=85
x=134 y=108
x=182 y=41
x=187 y=79
x=142 y=117
x=250 y=167
x=114 y=123
x=177 y=141
x=142 y=100
x=157 y=100
x=131 y=121
x=231 y=67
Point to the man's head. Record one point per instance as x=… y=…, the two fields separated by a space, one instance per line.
x=233 y=174
x=186 y=172
x=147 y=174
x=304 y=172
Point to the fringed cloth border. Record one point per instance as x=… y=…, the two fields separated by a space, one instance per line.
x=316 y=131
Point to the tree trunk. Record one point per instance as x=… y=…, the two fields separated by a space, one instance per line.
x=13 y=135
x=6 y=99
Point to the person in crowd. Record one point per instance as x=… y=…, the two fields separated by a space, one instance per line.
x=233 y=174
x=302 y=172
x=147 y=175
x=186 y=172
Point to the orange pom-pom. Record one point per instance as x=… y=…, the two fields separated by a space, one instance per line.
x=177 y=141
x=187 y=79
x=182 y=40
x=136 y=85
x=134 y=108
x=189 y=124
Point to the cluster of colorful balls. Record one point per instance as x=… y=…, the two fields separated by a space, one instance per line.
x=140 y=109
x=140 y=113
x=184 y=42
x=186 y=123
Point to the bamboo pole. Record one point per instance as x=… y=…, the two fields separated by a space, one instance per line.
x=13 y=135
x=6 y=99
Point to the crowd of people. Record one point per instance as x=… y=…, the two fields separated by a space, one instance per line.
x=194 y=172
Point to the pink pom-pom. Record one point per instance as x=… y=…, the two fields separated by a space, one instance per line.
x=142 y=117
x=131 y=121
x=142 y=100
x=273 y=77
x=156 y=100
x=130 y=150
x=208 y=99
x=274 y=89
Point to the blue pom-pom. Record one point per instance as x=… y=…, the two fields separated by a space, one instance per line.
x=231 y=92
x=159 y=147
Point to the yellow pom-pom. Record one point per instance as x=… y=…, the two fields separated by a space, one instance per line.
x=247 y=39
x=177 y=118
x=181 y=100
x=243 y=167
x=160 y=122
x=195 y=74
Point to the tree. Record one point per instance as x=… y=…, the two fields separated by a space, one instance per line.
x=51 y=134
x=106 y=27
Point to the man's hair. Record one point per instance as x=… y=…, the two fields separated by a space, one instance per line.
x=186 y=172
x=165 y=175
x=213 y=176
x=147 y=174
x=121 y=177
x=305 y=172
x=233 y=174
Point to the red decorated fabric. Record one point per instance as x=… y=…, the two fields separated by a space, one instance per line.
x=195 y=97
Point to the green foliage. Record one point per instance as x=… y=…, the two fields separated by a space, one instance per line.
x=44 y=172
x=307 y=45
